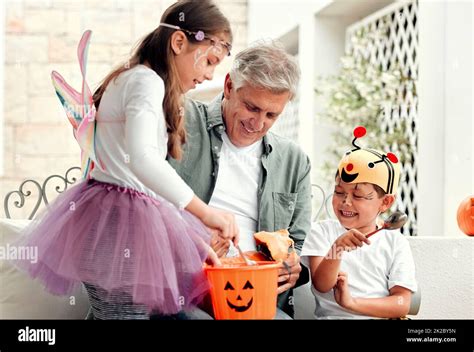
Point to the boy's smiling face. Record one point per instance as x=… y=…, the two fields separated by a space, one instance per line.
x=357 y=205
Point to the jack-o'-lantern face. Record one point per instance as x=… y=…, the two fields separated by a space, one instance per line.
x=239 y=301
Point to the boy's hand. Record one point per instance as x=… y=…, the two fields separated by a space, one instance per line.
x=350 y=240
x=342 y=294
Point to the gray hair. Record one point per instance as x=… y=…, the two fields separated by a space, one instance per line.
x=268 y=66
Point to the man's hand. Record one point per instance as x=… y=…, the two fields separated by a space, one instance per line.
x=289 y=273
x=219 y=244
x=342 y=295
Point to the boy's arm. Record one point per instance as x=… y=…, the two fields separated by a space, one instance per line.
x=324 y=270
x=396 y=305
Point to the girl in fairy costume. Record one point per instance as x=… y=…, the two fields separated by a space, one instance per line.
x=133 y=232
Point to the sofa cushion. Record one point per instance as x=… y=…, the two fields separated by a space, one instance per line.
x=24 y=298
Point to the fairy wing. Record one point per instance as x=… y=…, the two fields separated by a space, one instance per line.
x=80 y=109
x=70 y=99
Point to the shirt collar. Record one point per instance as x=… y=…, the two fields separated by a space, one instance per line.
x=214 y=119
x=214 y=112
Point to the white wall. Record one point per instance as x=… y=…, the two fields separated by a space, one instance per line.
x=330 y=36
x=2 y=85
x=273 y=19
x=446 y=127
x=459 y=151
x=445 y=274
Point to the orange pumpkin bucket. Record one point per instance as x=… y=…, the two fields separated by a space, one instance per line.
x=240 y=291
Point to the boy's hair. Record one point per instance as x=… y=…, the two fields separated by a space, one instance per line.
x=155 y=49
x=379 y=190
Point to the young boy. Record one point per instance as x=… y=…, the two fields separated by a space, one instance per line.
x=354 y=277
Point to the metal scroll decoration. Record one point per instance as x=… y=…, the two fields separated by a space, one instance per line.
x=321 y=204
x=42 y=195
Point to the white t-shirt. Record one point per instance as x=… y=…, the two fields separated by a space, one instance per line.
x=131 y=137
x=372 y=269
x=237 y=186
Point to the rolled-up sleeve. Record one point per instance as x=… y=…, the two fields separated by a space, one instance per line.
x=301 y=222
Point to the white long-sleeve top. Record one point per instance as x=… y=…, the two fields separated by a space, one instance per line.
x=131 y=137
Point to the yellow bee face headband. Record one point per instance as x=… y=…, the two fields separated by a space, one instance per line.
x=370 y=166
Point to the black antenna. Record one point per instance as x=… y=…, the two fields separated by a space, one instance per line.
x=381 y=160
x=355 y=145
x=359 y=132
x=390 y=157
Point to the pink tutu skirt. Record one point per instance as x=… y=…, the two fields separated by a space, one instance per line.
x=120 y=240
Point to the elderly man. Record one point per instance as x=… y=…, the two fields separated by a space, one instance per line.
x=233 y=162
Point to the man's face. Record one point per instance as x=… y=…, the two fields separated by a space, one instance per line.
x=250 y=112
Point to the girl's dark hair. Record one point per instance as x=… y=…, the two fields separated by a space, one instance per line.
x=155 y=49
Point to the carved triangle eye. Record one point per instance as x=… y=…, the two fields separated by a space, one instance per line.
x=228 y=286
x=248 y=285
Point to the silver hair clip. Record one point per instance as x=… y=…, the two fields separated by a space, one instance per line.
x=200 y=36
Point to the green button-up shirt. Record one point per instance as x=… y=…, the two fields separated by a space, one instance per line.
x=284 y=192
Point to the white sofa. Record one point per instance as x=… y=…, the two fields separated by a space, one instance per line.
x=23 y=298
